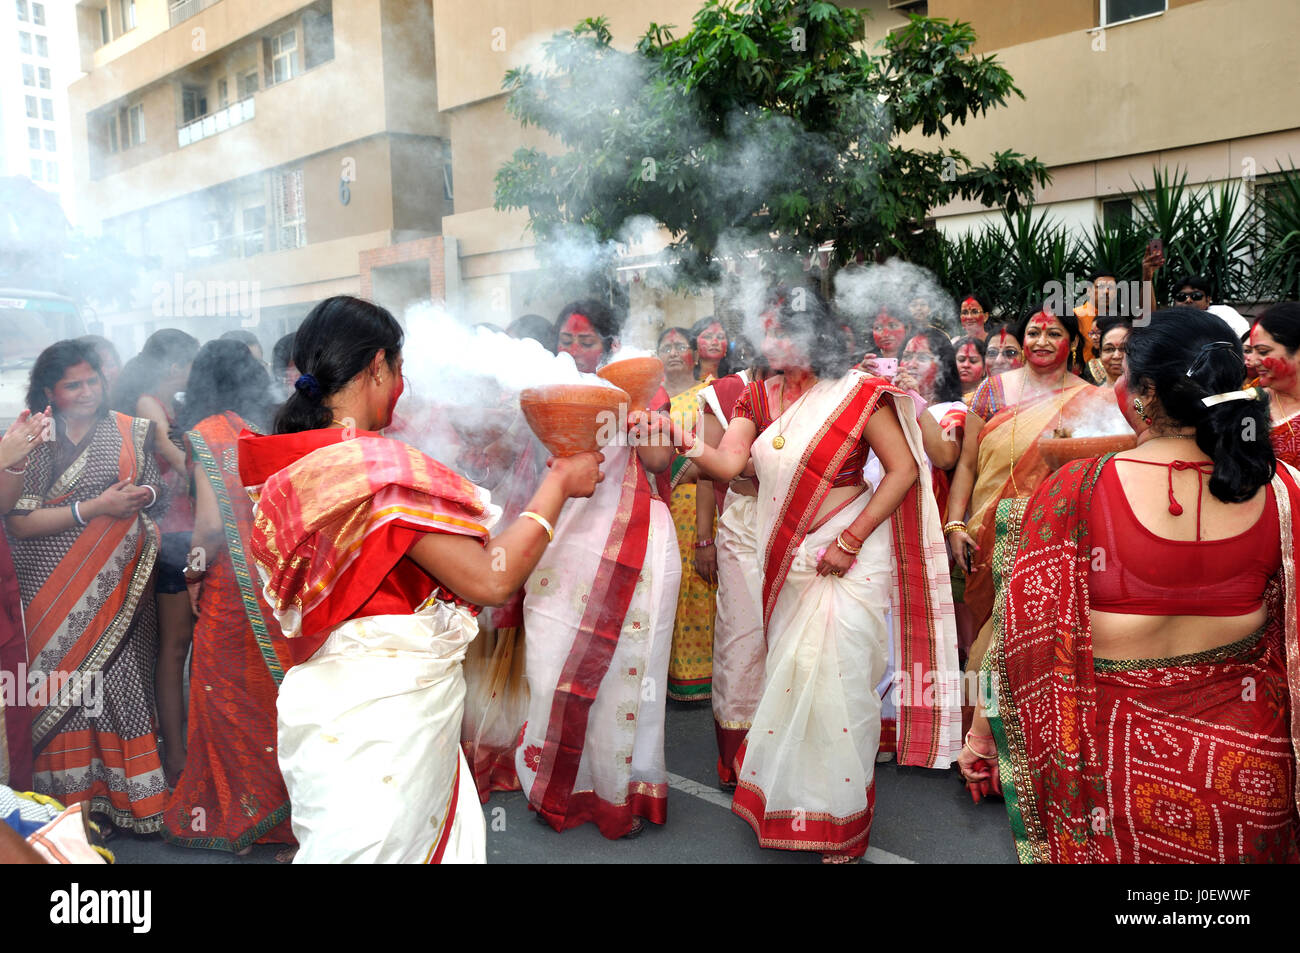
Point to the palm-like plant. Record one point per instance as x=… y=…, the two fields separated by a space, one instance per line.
x=1278 y=272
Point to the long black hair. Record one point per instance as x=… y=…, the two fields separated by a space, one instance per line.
x=336 y=342
x=226 y=376
x=947 y=385
x=52 y=363
x=1188 y=355
x=141 y=374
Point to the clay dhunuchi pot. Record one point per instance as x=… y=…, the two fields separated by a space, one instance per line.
x=1058 y=451
x=573 y=418
x=639 y=376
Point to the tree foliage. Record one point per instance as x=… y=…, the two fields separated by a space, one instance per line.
x=766 y=126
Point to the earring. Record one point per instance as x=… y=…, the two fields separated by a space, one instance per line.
x=1137 y=405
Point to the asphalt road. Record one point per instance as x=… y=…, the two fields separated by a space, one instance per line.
x=921 y=817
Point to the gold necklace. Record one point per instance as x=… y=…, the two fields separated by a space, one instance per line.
x=779 y=440
x=1058 y=432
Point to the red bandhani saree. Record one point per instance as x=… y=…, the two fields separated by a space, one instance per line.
x=370 y=712
x=231 y=794
x=1285 y=438
x=1188 y=759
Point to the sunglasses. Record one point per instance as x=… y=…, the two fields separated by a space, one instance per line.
x=1190 y=296
x=1010 y=353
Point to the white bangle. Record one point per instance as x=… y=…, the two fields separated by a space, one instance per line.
x=541 y=521
x=155 y=495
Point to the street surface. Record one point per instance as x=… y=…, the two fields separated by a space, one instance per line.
x=921 y=817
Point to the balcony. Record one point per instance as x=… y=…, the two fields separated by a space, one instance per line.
x=213 y=123
x=182 y=10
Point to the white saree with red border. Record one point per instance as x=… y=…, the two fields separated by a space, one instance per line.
x=807 y=770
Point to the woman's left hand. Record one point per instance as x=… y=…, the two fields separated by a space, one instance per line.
x=835 y=562
x=706 y=563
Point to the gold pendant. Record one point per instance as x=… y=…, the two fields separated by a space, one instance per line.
x=778 y=442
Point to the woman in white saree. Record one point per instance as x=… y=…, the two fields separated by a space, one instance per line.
x=375 y=559
x=830 y=547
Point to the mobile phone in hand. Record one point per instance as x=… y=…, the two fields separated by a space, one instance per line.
x=887 y=367
x=1156 y=247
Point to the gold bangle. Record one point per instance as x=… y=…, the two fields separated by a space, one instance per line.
x=541 y=521
x=839 y=543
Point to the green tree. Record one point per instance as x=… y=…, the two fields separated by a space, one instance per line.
x=767 y=122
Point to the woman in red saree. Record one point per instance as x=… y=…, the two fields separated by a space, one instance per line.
x=1145 y=656
x=1273 y=358
x=830 y=546
x=230 y=795
x=15 y=718
x=84 y=546
x=375 y=559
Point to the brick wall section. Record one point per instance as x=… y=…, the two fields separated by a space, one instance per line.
x=422 y=249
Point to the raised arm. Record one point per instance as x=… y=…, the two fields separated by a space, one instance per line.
x=488 y=576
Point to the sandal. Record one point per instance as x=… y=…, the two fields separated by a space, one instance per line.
x=638 y=828
x=839 y=859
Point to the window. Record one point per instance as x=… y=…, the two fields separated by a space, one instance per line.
x=49 y=141
x=29 y=74
x=127 y=10
x=52 y=172
x=1116 y=213
x=112 y=133
x=25 y=42
x=32 y=111
x=33 y=137
x=45 y=77
x=290 y=215
x=194 y=103
x=38 y=170
x=252 y=225
x=248 y=84
x=22 y=10
x=38 y=14
x=104 y=35
x=223 y=94
x=284 y=50
x=47 y=110
x=317 y=37
x=1118 y=11
x=133 y=132
x=42 y=45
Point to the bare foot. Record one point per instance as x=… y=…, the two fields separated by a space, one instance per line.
x=286 y=856
x=245 y=852
x=838 y=859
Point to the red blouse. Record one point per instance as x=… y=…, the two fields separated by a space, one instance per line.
x=1146 y=574
x=753 y=405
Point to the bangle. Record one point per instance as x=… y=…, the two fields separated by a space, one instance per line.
x=846 y=549
x=953 y=526
x=980 y=754
x=16 y=472
x=704 y=544
x=852 y=537
x=541 y=521
x=155 y=495
x=76 y=514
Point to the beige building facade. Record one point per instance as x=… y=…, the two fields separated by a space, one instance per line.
x=262 y=153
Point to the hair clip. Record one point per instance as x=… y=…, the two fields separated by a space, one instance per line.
x=1252 y=393
x=1205 y=353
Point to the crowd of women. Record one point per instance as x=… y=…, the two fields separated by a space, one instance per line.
x=801 y=530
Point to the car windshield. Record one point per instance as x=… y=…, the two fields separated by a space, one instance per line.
x=30 y=325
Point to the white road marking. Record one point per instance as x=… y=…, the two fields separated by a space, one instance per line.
x=714 y=796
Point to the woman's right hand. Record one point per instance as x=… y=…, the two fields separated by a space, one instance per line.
x=122 y=500
x=578 y=474
x=22 y=437
x=962 y=548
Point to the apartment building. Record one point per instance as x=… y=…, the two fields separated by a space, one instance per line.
x=1115 y=87
x=38 y=55
x=1112 y=87
x=263 y=154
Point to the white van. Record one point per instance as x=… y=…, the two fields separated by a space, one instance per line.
x=30 y=321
